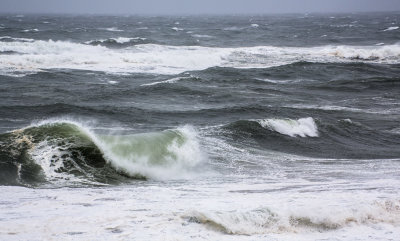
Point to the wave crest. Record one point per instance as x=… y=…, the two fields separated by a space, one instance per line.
x=137 y=57
x=302 y=127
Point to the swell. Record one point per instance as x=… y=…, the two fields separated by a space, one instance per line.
x=320 y=138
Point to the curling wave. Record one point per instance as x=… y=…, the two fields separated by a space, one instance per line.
x=67 y=151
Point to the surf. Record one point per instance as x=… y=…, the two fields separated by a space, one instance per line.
x=68 y=152
x=135 y=55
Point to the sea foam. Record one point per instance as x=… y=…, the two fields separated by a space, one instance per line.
x=294 y=220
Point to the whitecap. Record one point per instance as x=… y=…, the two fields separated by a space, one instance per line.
x=391 y=28
x=201 y=36
x=168 y=81
x=177 y=29
x=30 y=30
x=302 y=127
x=112 y=29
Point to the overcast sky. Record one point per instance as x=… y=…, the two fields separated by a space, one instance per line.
x=195 y=6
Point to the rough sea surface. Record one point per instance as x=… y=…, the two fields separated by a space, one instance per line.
x=279 y=127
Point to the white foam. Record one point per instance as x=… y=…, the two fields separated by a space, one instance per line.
x=48 y=156
x=162 y=59
x=254 y=25
x=30 y=30
x=233 y=28
x=177 y=29
x=178 y=162
x=201 y=36
x=391 y=28
x=302 y=127
x=17 y=39
x=112 y=29
x=304 y=219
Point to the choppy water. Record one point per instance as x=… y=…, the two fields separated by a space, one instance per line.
x=278 y=127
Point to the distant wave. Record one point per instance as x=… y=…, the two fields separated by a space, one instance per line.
x=11 y=39
x=30 y=30
x=37 y=55
x=202 y=36
x=343 y=138
x=168 y=81
x=177 y=29
x=112 y=29
x=117 y=42
x=391 y=28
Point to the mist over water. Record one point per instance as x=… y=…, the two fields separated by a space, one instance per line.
x=281 y=127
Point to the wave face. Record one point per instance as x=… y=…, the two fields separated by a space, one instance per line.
x=67 y=153
x=40 y=55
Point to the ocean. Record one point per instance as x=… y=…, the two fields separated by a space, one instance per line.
x=236 y=127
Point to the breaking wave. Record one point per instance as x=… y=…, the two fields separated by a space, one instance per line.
x=322 y=138
x=67 y=151
x=302 y=127
x=265 y=220
x=118 y=42
x=137 y=57
x=391 y=28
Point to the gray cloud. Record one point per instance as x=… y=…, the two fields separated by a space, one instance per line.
x=195 y=6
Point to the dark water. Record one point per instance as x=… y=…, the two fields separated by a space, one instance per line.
x=317 y=86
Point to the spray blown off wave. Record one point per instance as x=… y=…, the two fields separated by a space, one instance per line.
x=34 y=56
x=68 y=151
